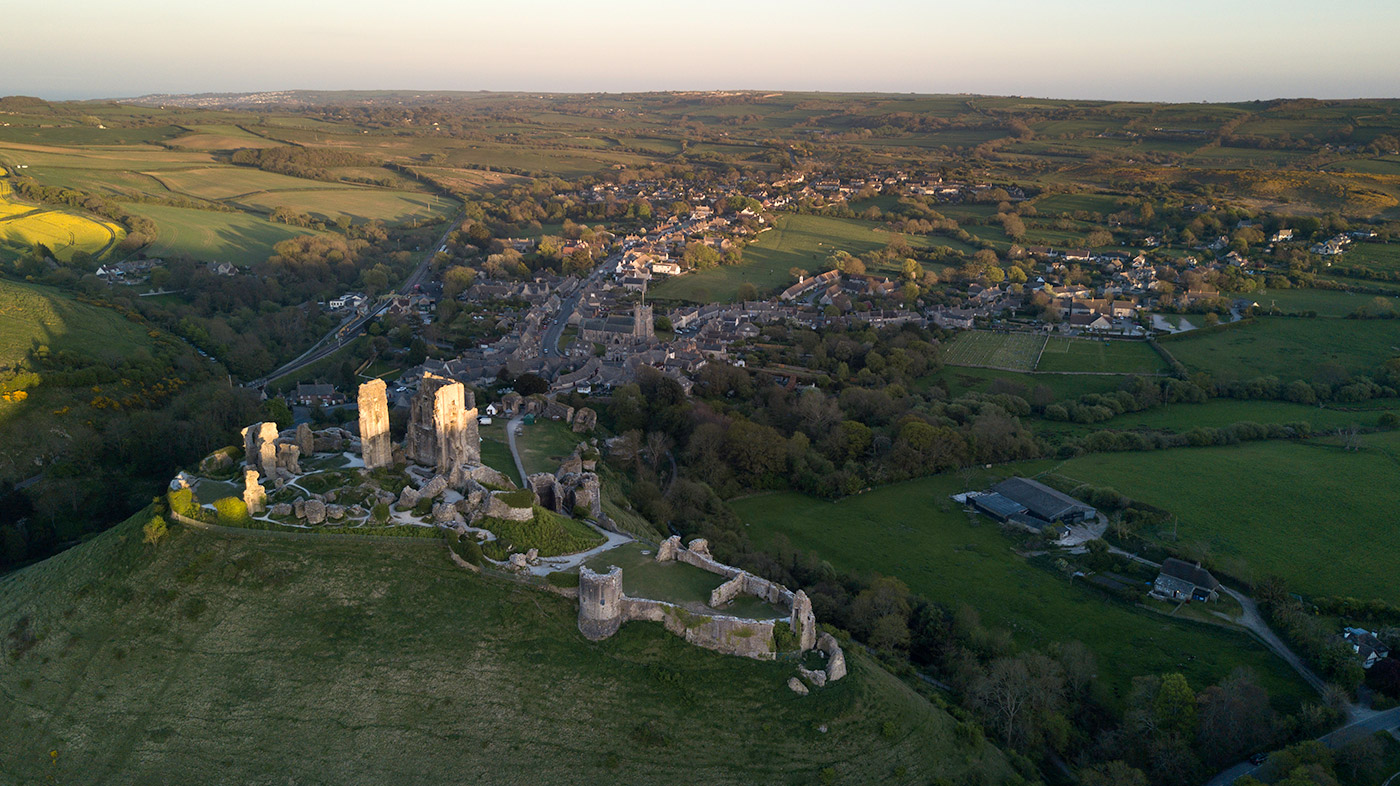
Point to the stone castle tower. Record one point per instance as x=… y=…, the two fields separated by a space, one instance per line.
x=599 y=602
x=374 y=425
x=442 y=430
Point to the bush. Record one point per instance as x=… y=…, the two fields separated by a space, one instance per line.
x=582 y=512
x=466 y=547
x=155 y=530
x=381 y=512
x=232 y=512
x=562 y=578
x=182 y=502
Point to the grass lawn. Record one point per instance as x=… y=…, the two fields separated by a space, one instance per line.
x=495 y=453
x=1087 y=354
x=913 y=531
x=545 y=444
x=549 y=532
x=1372 y=256
x=203 y=234
x=800 y=241
x=225 y=659
x=1017 y=351
x=1288 y=348
x=1309 y=512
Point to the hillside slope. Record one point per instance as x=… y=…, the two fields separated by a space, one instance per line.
x=222 y=659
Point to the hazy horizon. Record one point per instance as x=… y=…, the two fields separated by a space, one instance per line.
x=1075 y=49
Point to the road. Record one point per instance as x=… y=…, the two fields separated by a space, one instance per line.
x=1377 y=721
x=350 y=329
x=511 y=426
x=551 y=337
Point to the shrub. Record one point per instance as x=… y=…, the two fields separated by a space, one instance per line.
x=466 y=547
x=381 y=512
x=155 y=530
x=182 y=502
x=784 y=639
x=232 y=512
x=582 y=511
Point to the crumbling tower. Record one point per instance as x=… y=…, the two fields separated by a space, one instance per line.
x=374 y=425
x=599 y=602
x=442 y=430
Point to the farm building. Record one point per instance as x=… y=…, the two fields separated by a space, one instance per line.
x=1182 y=580
x=1366 y=645
x=1043 y=503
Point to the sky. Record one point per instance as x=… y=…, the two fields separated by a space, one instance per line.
x=1157 y=50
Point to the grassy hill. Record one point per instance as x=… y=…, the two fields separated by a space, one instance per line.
x=219 y=659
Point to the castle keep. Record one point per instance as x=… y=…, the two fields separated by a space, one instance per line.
x=442 y=429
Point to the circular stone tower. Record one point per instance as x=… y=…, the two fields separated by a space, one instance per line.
x=599 y=602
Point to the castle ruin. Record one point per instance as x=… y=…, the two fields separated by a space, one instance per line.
x=374 y=425
x=442 y=429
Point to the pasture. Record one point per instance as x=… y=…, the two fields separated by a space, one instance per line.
x=1288 y=348
x=1325 y=302
x=225 y=182
x=357 y=205
x=1098 y=355
x=1014 y=351
x=1372 y=256
x=212 y=236
x=1102 y=204
x=32 y=314
x=800 y=241
x=1180 y=418
x=235 y=654
x=959 y=379
x=1310 y=512
x=913 y=531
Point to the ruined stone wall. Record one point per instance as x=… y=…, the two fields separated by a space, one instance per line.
x=375 y=448
x=729 y=635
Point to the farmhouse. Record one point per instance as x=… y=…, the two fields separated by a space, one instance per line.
x=1366 y=645
x=1181 y=580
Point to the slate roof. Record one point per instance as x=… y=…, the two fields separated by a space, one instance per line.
x=1184 y=571
x=1039 y=499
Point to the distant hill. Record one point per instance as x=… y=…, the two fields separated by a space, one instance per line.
x=217 y=659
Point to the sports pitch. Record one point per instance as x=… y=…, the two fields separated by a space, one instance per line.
x=1015 y=351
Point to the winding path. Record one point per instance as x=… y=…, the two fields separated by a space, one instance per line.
x=511 y=425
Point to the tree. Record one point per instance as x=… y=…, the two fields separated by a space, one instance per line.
x=1175 y=706
x=699 y=256
x=529 y=384
x=911 y=269
x=1113 y=773
x=154 y=531
x=276 y=410
x=746 y=292
x=1098 y=238
x=456 y=280
x=1235 y=717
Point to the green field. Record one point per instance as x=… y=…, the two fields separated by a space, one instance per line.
x=207 y=235
x=913 y=531
x=959 y=379
x=357 y=205
x=227 y=182
x=1372 y=256
x=1288 y=348
x=244 y=659
x=31 y=314
x=1326 y=302
x=1015 y=351
x=800 y=241
x=1102 y=356
x=1180 y=418
x=1315 y=514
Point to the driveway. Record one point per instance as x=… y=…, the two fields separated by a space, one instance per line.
x=511 y=425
